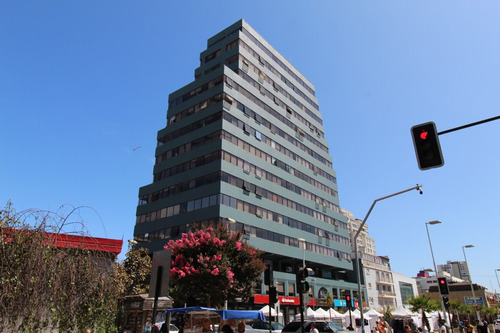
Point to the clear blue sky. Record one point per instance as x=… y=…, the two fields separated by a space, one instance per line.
x=83 y=83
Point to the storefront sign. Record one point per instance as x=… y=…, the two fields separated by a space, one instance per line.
x=284 y=300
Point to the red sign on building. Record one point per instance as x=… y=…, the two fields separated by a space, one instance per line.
x=284 y=300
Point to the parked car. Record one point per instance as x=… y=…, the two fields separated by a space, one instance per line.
x=263 y=327
x=497 y=326
x=322 y=326
x=157 y=326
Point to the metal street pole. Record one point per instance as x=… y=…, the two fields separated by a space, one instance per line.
x=470 y=279
x=443 y=308
x=303 y=241
x=418 y=188
x=496 y=270
x=301 y=295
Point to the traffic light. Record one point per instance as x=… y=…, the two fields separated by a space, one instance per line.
x=268 y=275
x=443 y=286
x=302 y=274
x=427 y=146
x=348 y=301
x=272 y=295
x=446 y=302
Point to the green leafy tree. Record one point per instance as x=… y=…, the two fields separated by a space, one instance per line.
x=329 y=299
x=212 y=266
x=423 y=303
x=488 y=312
x=387 y=313
x=137 y=266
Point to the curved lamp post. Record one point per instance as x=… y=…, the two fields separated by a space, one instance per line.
x=470 y=278
x=496 y=270
x=354 y=239
x=443 y=308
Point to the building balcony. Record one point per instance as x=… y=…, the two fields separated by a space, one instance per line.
x=389 y=294
x=384 y=281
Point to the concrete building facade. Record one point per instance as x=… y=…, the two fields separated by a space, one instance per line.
x=244 y=145
x=457 y=269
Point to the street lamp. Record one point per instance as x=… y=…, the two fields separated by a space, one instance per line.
x=496 y=270
x=470 y=278
x=434 y=262
x=354 y=239
x=303 y=241
x=430 y=245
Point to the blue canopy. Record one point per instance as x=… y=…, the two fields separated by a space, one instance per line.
x=241 y=314
x=190 y=309
x=225 y=314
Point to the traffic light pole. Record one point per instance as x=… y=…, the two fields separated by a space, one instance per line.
x=301 y=309
x=469 y=125
x=418 y=188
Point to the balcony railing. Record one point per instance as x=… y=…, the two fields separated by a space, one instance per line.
x=386 y=293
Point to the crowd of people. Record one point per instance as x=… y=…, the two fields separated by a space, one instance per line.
x=481 y=326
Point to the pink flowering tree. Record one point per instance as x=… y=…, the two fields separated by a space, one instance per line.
x=211 y=266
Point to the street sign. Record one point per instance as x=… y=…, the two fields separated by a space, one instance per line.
x=478 y=300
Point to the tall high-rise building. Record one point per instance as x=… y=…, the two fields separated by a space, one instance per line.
x=244 y=145
x=458 y=269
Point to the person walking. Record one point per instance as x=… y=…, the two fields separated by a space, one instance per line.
x=482 y=326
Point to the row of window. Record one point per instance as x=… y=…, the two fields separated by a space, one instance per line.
x=246 y=166
x=179 y=150
x=249 y=112
x=261 y=104
x=213 y=55
x=283 y=166
x=189 y=165
x=278 y=61
x=270 y=215
x=250 y=148
x=261 y=173
x=174 y=232
x=249 y=187
x=223 y=199
x=246 y=62
x=179 y=188
x=190 y=111
x=192 y=93
x=191 y=127
x=212 y=83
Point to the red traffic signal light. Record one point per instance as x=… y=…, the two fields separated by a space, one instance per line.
x=443 y=286
x=427 y=146
x=348 y=301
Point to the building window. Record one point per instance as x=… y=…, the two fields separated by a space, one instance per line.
x=244 y=66
x=262 y=77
